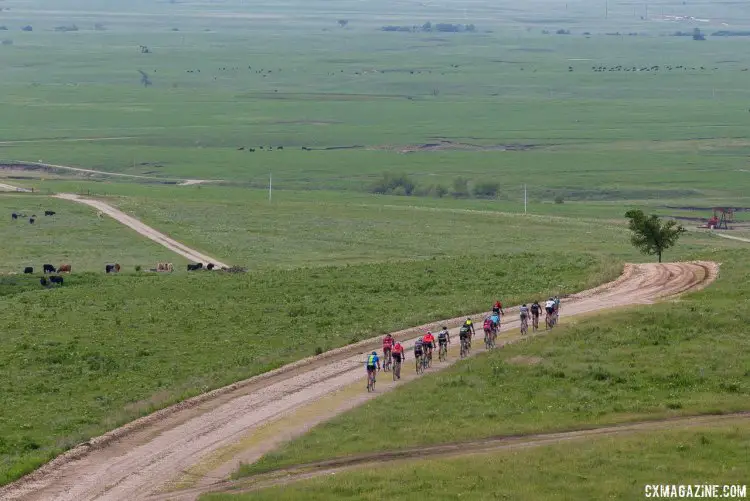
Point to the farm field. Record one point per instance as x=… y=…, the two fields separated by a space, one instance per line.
x=74 y=235
x=682 y=358
x=107 y=349
x=609 y=467
x=617 y=113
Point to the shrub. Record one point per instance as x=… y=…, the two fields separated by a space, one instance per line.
x=27 y=28
x=559 y=199
x=393 y=183
x=460 y=187
x=7 y=42
x=486 y=189
x=137 y=267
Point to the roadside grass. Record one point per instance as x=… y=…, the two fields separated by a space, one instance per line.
x=74 y=235
x=682 y=357
x=617 y=467
x=104 y=350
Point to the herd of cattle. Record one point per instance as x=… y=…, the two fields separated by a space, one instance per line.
x=16 y=215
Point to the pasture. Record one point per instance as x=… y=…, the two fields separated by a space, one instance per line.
x=104 y=350
x=615 y=114
x=74 y=235
x=616 y=467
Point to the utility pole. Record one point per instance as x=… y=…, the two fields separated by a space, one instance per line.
x=270 y=184
x=606 y=9
x=524 y=199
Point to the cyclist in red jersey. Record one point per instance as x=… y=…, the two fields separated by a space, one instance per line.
x=429 y=343
x=387 y=346
x=398 y=356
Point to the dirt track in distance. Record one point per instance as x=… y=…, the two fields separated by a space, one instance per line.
x=143 y=459
x=143 y=229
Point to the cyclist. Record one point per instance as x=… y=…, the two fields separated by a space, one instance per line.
x=418 y=349
x=549 y=306
x=498 y=308
x=524 y=312
x=444 y=338
x=536 y=310
x=487 y=327
x=470 y=326
x=495 y=319
x=428 y=341
x=372 y=362
x=387 y=346
x=464 y=335
x=398 y=356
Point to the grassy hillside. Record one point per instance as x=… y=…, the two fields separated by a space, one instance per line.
x=595 y=468
x=684 y=357
x=105 y=349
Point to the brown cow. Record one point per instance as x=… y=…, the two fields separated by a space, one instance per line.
x=170 y=268
x=64 y=268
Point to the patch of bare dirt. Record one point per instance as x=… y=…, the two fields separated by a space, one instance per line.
x=523 y=360
x=447 y=145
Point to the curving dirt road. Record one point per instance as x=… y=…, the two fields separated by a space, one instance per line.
x=143 y=229
x=197 y=443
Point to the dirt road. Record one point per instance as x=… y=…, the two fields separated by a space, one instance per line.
x=22 y=165
x=150 y=458
x=143 y=229
x=8 y=187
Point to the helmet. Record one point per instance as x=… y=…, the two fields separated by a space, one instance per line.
x=551 y=299
x=374 y=352
x=524 y=305
x=428 y=332
x=445 y=328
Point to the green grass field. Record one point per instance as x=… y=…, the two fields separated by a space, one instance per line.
x=507 y=104
x=685 y=357
x=617 y=467
x=74 y=235
x=106 y=349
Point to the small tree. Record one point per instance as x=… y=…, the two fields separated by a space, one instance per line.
x=697 y=35
x=343 y=22
x=460 y=187
x=651 y=235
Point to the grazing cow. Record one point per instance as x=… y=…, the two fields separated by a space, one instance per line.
x=193 y=267
x=56 y=279
x=117 y=268
x=43 y=282
x=48 y=268
x=28 y=270
x=31 y=220
x=14 y=216
x=64 y=268
x=109 y=268
x=210 y=266
x=49 y=213
x=170 y=268
x=159 y=267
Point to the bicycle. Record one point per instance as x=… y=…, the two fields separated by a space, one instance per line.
x=429 y=358
x=549 y=321
x=388 y=359
x=535 y=323
x=370 y=381
x=396 y=369
x=488 y=340
x=420 y=363
x=443 y=352
x=524 y=326
x=464 y=348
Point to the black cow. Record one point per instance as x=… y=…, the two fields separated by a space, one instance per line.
x=14 y=216
x=49 y=213
x=56 y=279
x=48 y=268
x=28 y=270
x=193 y=267
x=109 y=268
x=31 y=220
x=210 y=266
x=43 y=282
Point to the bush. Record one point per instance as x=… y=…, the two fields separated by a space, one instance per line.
x=460 y=187
x=27 y=28
x=562 y=32
x=559 y=199
x=137 y=267
x=486 y=189
x=3 y=28
x=393 y=183
x=7 y=42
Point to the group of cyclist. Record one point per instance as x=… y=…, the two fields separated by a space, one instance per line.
x=394 y=354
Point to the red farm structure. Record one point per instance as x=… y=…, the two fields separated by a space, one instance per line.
x=722 y=216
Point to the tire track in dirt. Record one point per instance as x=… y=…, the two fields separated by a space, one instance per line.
x=143 y=229
x=307 y=471
x=139 y=459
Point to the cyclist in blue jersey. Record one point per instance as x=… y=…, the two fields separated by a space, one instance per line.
x=373 y=363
